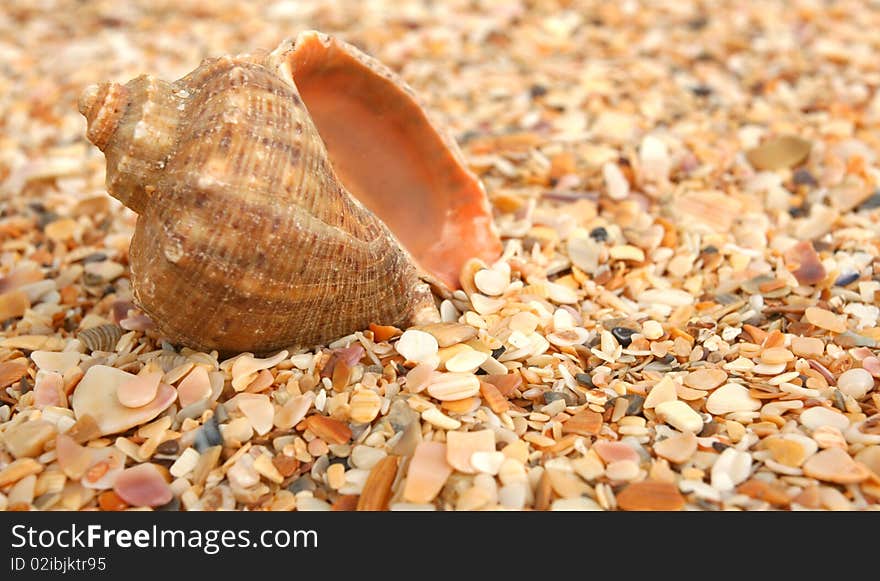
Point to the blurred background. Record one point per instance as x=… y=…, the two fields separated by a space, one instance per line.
x=541 y=91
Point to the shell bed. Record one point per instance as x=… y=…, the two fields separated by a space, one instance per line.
x=684 y=316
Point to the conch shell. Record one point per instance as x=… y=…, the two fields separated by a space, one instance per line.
x=286 y=198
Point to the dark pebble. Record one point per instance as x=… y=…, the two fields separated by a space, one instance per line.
x=719 y=446
x=584 y=379
x=599 y=234
x=797 y=211
x=46 y=219
x=221 y=414
x=304 y=482
x=709 y=429
x=698 y=23
x=846 y=278
x=658 y=366
x=400 y=416
x=872 y=202
x=623 y=335
x=468 y=136
x=94 y=257
x=537 y=91
x=710 y=250
x=803 y=177
x=208 y=436
x=169 y=447
x=171 y=505
x=401 y=370
x=25 y=385
x=551 y=396
x=701 y=91
x=635 y=404
x=496 y=353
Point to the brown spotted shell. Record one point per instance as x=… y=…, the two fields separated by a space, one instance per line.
x=286 y=198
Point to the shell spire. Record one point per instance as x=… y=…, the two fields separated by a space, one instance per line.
x=135 y=126
x=102 y=105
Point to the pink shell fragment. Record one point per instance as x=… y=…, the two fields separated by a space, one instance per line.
x=137 y=322
x=195 y=387
x=143 y=485
x=615 y=452
x=140 y=390
x=348 y=355
x=73 y=458
x=428 y=472
x=805 y=264
x=49 y=390
x=106 y=465
x=872 y=365
x=259 y=411
x=119 y=310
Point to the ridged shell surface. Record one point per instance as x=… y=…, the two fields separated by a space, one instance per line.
x=246 y=239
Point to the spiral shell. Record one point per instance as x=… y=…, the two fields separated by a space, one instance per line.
x=286 y=198
x=100 y=338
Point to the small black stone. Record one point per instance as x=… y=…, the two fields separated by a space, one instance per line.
x=537 y=91
x=710 y=250
x=551 y=396
x=170 y=447
x=803 y=177
x=94 y=257
x=846 y=278
x=797 y=211
x=171 y=505
x=304 y=482
x=208 y=436
x=698 y=23
x=636 y=402
x=584 y=379
x=709 y=429
x=701 y=91
x=496 y=353
x=720 y=446
x=220 y=414
x=25 y=385
x=872 y=202
x=401 y=370
x=623 y=335
x=599 y=234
